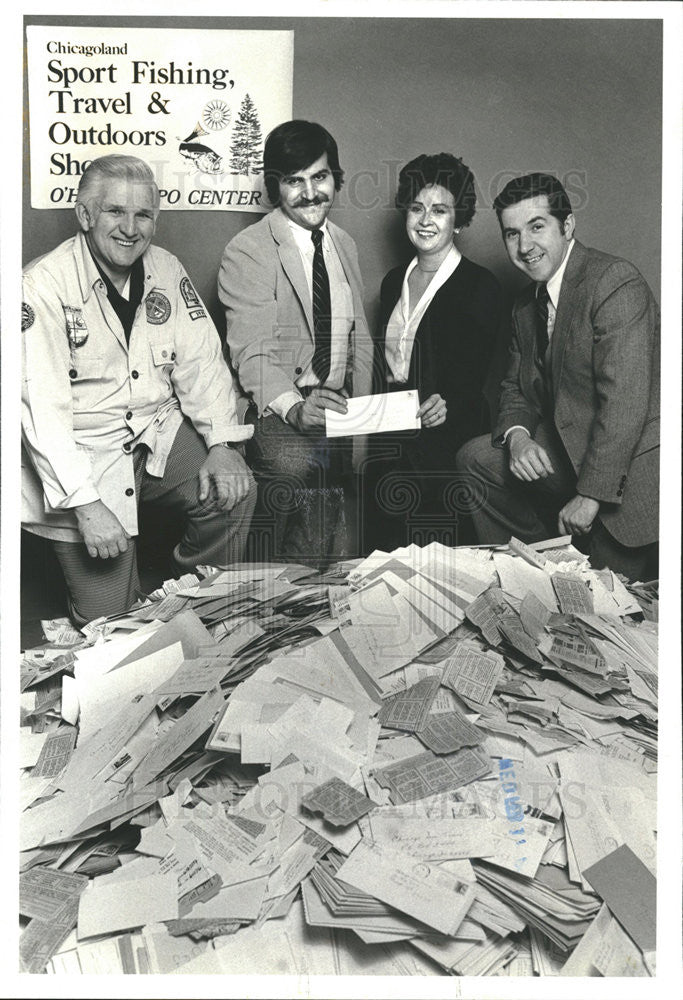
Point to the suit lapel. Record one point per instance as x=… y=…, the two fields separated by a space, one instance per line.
x=526 y=323
x=566 y=310
x=348 y=265
x=290 y=258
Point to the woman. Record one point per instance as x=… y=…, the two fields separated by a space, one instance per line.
x=441 y=320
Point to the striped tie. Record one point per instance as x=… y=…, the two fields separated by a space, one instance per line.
x=322 y=322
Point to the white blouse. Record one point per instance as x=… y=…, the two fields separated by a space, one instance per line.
x=403 y=325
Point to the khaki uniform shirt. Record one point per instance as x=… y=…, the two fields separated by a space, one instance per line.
x=88 y=398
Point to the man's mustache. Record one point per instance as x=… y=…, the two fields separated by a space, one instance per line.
x=303 y=202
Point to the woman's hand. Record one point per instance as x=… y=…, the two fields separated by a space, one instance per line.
x=433 y=411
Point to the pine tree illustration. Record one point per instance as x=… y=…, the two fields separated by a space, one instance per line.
x=246 y=151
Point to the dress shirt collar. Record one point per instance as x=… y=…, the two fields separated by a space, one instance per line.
x=403 y=324
x=302 y=236
x=555 y=283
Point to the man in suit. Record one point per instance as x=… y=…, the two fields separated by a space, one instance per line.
x=298 y=338
x=576 y=446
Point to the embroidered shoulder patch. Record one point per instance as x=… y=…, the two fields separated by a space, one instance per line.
x=158 y=308
x=197 y=314
x=188 y=293
x=27 y=316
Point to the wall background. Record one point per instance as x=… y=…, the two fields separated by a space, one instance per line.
x=579 y=98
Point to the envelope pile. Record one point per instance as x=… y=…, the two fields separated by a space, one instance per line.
x=431 y=761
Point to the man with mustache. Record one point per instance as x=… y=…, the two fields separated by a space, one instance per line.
x=576 y=446
x=298 y=339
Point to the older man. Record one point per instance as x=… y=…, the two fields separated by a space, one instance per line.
x=126 y=398
x=576 y=446
x=297 y=336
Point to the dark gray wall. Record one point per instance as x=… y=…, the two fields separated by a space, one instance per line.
x=579 y=98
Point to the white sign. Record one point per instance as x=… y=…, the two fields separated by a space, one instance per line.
x=195 y=105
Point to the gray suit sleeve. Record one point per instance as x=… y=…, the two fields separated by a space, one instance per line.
x=247 y=283
x=624 y=319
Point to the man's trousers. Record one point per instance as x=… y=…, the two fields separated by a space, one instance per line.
x=507 y=506
x=301 y=480
x=211 y=537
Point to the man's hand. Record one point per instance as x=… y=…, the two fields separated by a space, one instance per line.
x=528 y=460
x=577 y=516
x=309 y=415
x=433 y=411
x=224 y=477
x=103 y=534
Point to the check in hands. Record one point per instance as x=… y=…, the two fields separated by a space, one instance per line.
x=309 y=414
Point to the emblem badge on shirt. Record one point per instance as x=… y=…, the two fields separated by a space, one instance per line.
x=191 y=299
x=188 y=293
x=158 y=308
x=76 y=330
x=27 y=316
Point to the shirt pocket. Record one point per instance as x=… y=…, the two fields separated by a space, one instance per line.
x=163 y=354
x=87 y=369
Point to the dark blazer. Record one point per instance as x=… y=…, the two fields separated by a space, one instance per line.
x=603 y=387
x=452 y=352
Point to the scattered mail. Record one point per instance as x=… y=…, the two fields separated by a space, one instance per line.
x=430 y=761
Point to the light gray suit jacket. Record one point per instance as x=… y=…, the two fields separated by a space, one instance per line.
x=262 y=285
x=604 y=359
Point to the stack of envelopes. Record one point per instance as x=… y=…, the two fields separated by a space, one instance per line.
x=549 y=901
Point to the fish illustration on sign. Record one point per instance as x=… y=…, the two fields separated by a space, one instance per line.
x=204 y=158
x=216 y=116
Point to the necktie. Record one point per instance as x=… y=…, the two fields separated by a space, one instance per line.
x=542 y=299
x=322 y=322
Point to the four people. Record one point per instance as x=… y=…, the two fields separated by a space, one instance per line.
x=126 y=396
x=441 y=319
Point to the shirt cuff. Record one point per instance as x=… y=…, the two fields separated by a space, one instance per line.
x=233 y=433
x=515 y=427
x=79 y=497
x=283 y=403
